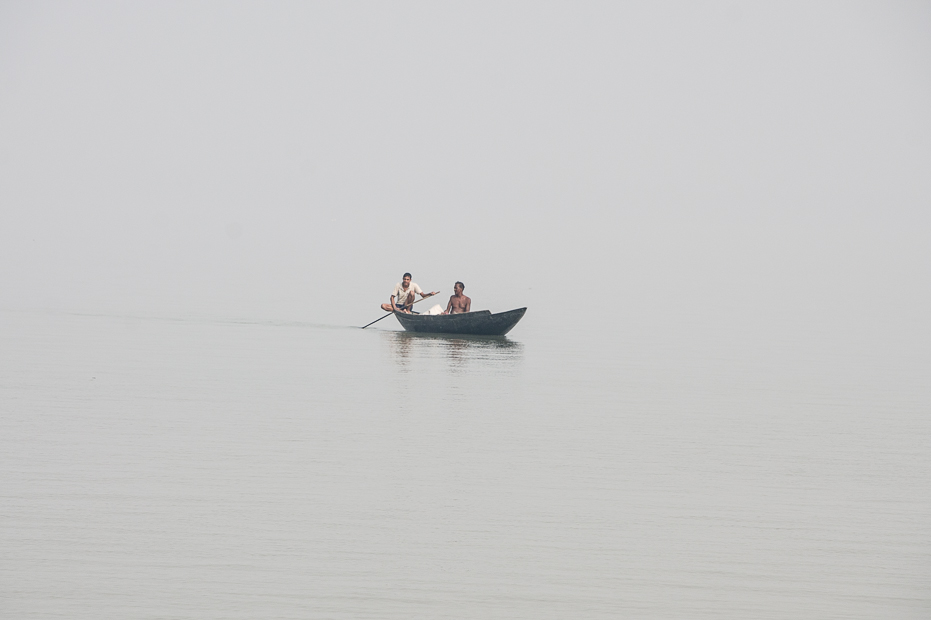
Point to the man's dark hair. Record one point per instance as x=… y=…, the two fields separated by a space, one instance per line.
x=407 y=275
x=460 y=284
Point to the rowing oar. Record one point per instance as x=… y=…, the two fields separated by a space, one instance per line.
x=390 y=313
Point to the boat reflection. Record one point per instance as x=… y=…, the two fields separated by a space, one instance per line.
x=455 y=352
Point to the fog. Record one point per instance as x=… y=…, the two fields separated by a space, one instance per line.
x=693 y=165
x=716 y=406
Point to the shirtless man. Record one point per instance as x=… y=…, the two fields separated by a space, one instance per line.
x=402 y=298
x=458 y=303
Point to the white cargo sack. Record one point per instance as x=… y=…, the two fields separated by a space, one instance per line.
x=437 y=309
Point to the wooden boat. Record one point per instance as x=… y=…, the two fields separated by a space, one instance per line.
x=481 y=323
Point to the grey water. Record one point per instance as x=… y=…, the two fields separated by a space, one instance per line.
x=156 y=467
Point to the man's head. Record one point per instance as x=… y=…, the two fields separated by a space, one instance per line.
x=406 y=279
x=458 y=287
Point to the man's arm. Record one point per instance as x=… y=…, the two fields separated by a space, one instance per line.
x=393 y=305
x=468 y=304
x=419 y=291
x=449 y=306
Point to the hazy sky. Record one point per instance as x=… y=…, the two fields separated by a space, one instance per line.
x=696 y=161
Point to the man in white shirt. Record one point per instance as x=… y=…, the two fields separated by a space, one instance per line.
x=402 y=298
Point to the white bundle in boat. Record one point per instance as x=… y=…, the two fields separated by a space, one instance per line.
x=437 y=309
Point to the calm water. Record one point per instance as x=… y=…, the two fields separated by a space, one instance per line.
x=155 y=468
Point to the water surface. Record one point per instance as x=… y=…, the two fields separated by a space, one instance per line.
x=167 y=468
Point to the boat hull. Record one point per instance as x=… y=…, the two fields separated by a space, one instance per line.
x=482 y=323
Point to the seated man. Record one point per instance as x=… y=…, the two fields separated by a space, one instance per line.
x=402 y=298
x=458 y=303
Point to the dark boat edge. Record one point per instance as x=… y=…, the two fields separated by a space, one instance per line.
x=480 y=323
